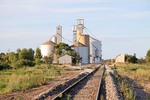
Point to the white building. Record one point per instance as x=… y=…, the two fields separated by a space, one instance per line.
x=95 y=50
x=65 y=59
x=82 y=50
x=47 y=48
x=120 y=59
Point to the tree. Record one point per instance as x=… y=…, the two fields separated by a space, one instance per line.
x=6 y=59
x=13 y=57
x=131 y=59
x=141 y=60
x=27 y=54
x=18 y=50
x=23 y=54
x=59 y=48
x=2 y=54
x=148 y=56
x=48 y=59
x=31 y=53
x=38 y=54
x=63 y=48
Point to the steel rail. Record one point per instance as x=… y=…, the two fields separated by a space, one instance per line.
x=74 y=84
x=98 y=93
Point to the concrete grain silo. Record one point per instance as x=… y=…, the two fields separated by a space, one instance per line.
x=81 y=50
x=47 y=48
x=95 y=50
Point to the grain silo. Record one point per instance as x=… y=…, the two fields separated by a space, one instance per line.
x=95 y=50
x=81 y=50
x=74 y=28
x=47 y=48
x=59 y=34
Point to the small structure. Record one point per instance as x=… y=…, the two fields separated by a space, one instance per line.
x=65 y=59
x=120 y=59
x=81 y=50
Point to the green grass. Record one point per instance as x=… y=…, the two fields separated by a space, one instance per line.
x=27 y=77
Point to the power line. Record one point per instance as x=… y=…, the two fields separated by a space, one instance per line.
x=90 y=32
x=91 y=43
x=64 y=38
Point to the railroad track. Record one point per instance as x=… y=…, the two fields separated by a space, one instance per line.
x=87 y=88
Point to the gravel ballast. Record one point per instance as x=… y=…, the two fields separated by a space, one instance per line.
x=112 y=91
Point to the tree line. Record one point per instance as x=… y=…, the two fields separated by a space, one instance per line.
x=24 y=57
x=29 y=57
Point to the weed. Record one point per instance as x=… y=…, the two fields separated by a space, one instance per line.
x=19 y=98
x=125 y=88
x=26 y=77
x=68 y=96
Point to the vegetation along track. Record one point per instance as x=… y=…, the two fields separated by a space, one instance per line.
x=86 y=88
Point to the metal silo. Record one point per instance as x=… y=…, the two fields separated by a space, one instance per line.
x=95 y=50
x=47 y=48
x=74 y=28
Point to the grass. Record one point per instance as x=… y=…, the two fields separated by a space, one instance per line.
x=125 y=88
x=140 y=72
x=27 y=77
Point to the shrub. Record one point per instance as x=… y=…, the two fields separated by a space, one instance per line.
x=148 y=56
x=141 y=61
x=27 y=77
x=48 y=59
x=4 y=66
x=24 y=62
x=39 y=62
x=131 y=59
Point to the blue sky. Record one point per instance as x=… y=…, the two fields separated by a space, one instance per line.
x=123 y=26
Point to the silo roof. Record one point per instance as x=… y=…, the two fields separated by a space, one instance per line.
x=49 y=43
x=77 y=44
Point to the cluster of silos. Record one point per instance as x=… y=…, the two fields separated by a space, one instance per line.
x=47 y=47
x=93 y=45
x=79 y=37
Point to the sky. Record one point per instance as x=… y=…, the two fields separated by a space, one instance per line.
x=123 y=26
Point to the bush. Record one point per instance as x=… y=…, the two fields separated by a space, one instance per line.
x=39 y=62
x=48 y=59
x=131 y=59
x=4 y=66
x=141 y=61
x=148 y=56
x=23 y=62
